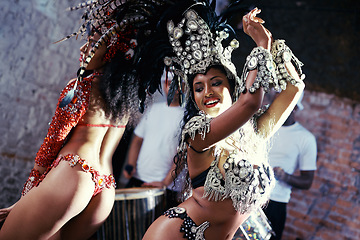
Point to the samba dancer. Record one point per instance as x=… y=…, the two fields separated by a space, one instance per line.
x=70 y=191
x=224 y=135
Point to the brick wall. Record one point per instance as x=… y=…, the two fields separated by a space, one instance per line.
x=330 y=209
x=33 y=70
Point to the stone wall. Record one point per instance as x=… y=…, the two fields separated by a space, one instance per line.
x=33 y=70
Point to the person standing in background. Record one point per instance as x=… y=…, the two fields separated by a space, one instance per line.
x=153 y=146
x=293 y=148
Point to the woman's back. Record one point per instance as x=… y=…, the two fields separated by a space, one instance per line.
x=96 y=135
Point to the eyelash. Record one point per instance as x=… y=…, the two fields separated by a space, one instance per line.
x=215 y=84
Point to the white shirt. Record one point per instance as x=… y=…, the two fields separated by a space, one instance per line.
x=293 y=147
x=160 y=128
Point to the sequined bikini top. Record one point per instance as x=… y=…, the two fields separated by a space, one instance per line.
x=64 y=120
x=246 y=184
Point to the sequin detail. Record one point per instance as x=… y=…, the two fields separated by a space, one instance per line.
x=188 y=227
x=31 y=182
x=248 y=186
x=282 y=54
x=63 y=121
x=260 y=59
x=100 y=180
x=197 y=124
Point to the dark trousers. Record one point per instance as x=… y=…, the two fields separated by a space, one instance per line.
x=171 y=196
x=276 y=213
x=134 y=182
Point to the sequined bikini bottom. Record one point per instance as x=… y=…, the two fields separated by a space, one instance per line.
x=188 y=227
x=100 y=180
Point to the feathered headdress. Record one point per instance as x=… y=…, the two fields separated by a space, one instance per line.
x=189 y=39
x=118 y=22
x=184 y=36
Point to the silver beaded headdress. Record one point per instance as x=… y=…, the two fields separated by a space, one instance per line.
x=197 y=48
x=191 y=46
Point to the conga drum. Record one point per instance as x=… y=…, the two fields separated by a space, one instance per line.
x=133 y=212
x=256 y=227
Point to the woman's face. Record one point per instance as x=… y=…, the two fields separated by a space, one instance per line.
x=97 y=61
x=212 y=92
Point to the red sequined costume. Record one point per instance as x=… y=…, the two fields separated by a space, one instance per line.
x=62 y=123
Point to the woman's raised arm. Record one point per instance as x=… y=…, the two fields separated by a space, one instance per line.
x=284 y=103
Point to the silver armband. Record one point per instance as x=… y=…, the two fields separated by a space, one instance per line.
x=197 y=124
x=282 y=54
x=261 y=60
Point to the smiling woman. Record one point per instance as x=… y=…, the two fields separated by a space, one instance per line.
x=223 y=145
x=212 y=92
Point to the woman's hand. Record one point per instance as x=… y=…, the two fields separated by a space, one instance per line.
x=280 y=174
x=253 y=27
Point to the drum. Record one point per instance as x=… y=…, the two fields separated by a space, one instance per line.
x=256 y=227
x=133 y=212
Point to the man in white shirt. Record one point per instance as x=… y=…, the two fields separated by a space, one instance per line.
x=154 y=144
x=293 y=147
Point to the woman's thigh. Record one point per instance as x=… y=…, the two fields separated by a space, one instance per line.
x=84 y=225
x=63 y=194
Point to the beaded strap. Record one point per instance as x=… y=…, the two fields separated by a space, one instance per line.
x=190 y=229
x=176 y=212
x=100 y=180
x=282 y=54
x=261 y=60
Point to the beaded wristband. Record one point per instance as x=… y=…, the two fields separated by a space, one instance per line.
x=282 y=54
x=31 y=182
x=261 y=60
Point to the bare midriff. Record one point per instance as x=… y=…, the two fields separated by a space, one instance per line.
x=224 y=220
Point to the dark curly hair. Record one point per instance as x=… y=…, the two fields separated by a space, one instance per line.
x=119 y=89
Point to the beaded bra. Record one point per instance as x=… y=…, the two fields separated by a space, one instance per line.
x=246 y=184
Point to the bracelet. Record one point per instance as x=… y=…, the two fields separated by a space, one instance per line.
x=260 y=59
x=32 y=181
x=282 y=54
